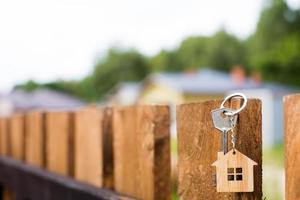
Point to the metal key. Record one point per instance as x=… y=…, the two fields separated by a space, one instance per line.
x=223 y=123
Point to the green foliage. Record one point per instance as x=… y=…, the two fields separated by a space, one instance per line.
x=193 y=51
x=274 y=156
x=274 y=50
x=221 y=51
x=166 y=61
x=82 y=89
x=116 y=67
x=28 y=86
x=225 y=51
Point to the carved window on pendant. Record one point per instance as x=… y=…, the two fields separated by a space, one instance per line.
x=235 y=174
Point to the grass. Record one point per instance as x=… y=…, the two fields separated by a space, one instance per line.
x=274 y=156
x=174 y=146
x=174 y=154
x=174 y=195
x=273 y=172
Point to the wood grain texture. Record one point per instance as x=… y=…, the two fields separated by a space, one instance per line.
x=199 y=142
x=35 y=139
x=142 y=151
x=59 y=142
x=108 y=162
x=4 y=137
x=88 y=146
x=12 y=130
x=17 y=136
x=292 y=146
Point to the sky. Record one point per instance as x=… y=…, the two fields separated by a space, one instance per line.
x=45 y=40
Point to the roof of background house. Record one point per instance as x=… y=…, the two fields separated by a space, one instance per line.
x=42 y=99
x=210 y=81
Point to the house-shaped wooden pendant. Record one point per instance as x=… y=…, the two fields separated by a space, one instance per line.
x=234 y=172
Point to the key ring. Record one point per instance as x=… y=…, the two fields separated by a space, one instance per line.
x=232 y=113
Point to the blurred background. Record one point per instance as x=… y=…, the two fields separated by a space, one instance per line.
x=65 y=54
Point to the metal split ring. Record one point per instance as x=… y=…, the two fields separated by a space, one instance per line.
x=234 y=112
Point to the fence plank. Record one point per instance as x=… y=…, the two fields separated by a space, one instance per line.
x=17 y=136
x=7 y=193
x=199 y=142
x=292 y=144
x=88 y=146
x=17 y=144
x=35 y=139
x=108 y=162
x=59 y=143
x=4 y=137
x=142 y=151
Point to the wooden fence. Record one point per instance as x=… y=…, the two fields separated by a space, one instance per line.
x=124 y=152
x=122 y=149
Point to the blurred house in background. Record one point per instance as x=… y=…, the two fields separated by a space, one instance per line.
x=175 y=88
x=6 y=107
x=41 y=99
x=126 y=93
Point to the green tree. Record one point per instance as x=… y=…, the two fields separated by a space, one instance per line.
x=82 y=89
x=225 y=51
x=28 y=86
x=192 y=52
x=274 y=48
x=118 y=66
x=166 y=61
x=282 y=63
x=221 y=51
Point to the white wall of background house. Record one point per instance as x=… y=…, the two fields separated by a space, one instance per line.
x=278 y=119
x=6 y=107
x=272 y=126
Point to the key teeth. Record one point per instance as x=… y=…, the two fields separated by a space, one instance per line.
x=224 y=142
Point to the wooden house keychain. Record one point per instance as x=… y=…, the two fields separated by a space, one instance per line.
x=234 y=170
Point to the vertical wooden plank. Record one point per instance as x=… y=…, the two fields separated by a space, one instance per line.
x=162 y=151
x=199 y=142
x=8 y=194
x=142 y=151
x=17 y=136
x=59 y=142
x=35 y=139
x=108 y=162
x=5 y=150
x=88 y=146
x=292 y=145
x=125 y=153
x=4 y=137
